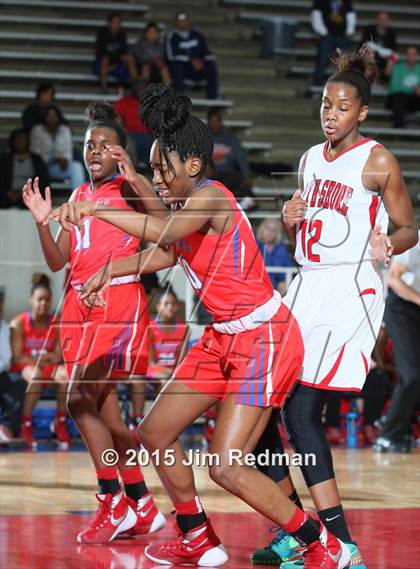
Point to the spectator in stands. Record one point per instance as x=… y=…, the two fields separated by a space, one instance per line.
x=377 y=387
x=113 y=56
x=52 y=140
x=16 y=166
x=12 y=387
x=128 y=108
x=384 y=42
x=229 y=161
x=34 y=113
x=36 y=355
x=404 y=88
x=168 y=338
x=149 y=56
x=274 y=250
x=190 y=57
x=334 y=21
x=402 y=318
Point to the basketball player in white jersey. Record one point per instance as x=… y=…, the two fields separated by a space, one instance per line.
x=348 y=188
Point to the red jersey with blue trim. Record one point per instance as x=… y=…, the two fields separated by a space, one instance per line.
x=99 y=243
x=167 y=342
x=226 y=271
x=38 y=341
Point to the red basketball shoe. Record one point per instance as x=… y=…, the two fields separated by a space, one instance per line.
x=113 y=517
x=61 y=432
x=27 y=433
x=149 y=519
x=200 y=546
x=326 y=553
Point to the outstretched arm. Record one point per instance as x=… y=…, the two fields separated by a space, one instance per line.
x=199 y=210
x=148 y=261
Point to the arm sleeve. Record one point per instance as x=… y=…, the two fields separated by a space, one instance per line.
x=204 y=48
x=351 y=20
x=5 y=348
x=100 y=43
x=64 y=144
x=35 y=140
x=240 y=157
x=173 y=52
x=317 y=22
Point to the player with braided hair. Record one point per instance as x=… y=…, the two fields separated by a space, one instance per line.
x=248 y=359
x=100 y=345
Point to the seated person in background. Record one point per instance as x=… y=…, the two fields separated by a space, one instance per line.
x=16 y=166
x=404 y=88
x=52 y=140
x=12 y=387
x=189 y=57
x=128 y=109
x=230 y=163
x=168 y=339
x=377 y=387
x=149 y=56
x=275 y=252
x=113 y=56
x=334 y=22
x=36 y=355
x=383 y=41
x=34 y=112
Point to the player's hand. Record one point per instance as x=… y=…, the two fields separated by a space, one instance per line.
x=381 y=246
x=71 y=213
x=93 y=290
x=125 y=164
x=294 y=210
x=32 y=198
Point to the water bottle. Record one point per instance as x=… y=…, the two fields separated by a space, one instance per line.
x=352 y=428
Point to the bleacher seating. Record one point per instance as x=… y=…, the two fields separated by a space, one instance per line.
x=56 y=42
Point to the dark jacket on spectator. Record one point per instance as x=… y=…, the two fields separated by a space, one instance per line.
x=334 y=14
x=184 y=46
x=388 y=39
x=6 y=178
x=114 y=46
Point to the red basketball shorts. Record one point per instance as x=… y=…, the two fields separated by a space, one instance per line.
x=118 y=333
x=259 y=366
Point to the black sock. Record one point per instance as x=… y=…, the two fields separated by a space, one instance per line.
x=135 y=491
x=188 y=522
x=108 y=486
x=335 y=522
x=294 y=497
x=307 y=533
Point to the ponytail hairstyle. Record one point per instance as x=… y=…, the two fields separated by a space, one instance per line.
x=357 y=69
x=40 y=280
x=103 y=115
x=166 y=113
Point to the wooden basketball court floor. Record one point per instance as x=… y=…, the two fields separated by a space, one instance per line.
x=46 y=498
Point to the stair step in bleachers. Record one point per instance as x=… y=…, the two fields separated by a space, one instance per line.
x=306 y=5
x=80 y=118
x=87 y=97
x=81 y=5
x=66 y=22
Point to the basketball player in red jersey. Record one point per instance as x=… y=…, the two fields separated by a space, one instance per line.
x=99 y=345
x=248 y=358
x=348 y=187
x=37 y=358
x=168 y=338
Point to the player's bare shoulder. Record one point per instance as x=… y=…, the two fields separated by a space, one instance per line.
x=381 y=167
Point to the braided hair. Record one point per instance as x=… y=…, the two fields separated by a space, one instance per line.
x=166 y=113
x=103 y=115
x=357 y=69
